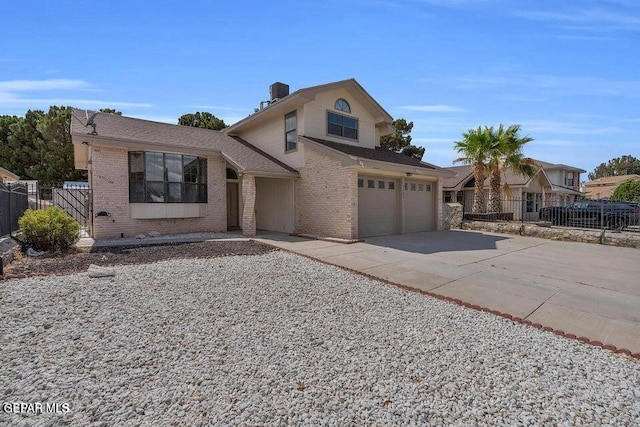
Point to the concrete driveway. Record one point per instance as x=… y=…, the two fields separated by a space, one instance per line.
x=585 y=289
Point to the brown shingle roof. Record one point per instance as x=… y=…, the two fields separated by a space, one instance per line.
x=174 y=137
x=462 y=171
x=379 y=154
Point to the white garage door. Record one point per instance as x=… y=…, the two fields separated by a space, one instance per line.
x=377 y=206
x=419 y=212
x=274 y=204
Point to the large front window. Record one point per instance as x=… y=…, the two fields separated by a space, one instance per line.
x=339 y=125
x=167 y=178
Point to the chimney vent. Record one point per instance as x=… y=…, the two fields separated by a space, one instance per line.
x=278 y=90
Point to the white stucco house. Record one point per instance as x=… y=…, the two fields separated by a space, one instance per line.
x=308 y=162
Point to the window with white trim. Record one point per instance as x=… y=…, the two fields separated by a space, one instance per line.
x=339 y=125
x=290 y=131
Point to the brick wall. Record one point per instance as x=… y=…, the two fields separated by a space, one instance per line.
x=249 y=205
x=110 y=183
x=326 y=197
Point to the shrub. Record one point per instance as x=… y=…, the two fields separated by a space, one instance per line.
x=49 y=229
x=628 y=190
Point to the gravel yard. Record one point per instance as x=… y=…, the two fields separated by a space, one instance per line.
x=279 y=339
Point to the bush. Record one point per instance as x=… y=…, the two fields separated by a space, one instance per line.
x=628 y=190
x=49 y=229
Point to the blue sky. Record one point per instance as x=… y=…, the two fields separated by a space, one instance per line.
x=567 y=71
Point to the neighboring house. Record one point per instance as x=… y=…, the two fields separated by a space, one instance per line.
x=603 y=188
x=553 y=184
x=308 y=163
x=7 y=176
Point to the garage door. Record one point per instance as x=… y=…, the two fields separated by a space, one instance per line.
x=419 y=213
x=377 y=206
x=274 y=204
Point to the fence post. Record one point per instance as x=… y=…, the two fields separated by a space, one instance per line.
x=10 y=209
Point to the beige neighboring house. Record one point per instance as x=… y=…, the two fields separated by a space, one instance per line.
x=8 y=176
x=308 y=162
x=603 y=188
x=553 y=184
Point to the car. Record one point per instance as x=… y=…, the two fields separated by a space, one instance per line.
x=593 y=213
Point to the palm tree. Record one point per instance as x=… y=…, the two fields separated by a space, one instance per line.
x=506 y=154
x=475 y=146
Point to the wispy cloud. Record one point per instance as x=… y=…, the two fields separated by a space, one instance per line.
x=437 y=108
x=591 y=18
x=16 y=94
x=41 y=85
x=433 y=141
x=563 y=85
x=566 y=127
x=221 y=108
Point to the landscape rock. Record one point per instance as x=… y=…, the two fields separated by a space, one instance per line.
x=96 y=271
x=278 y=339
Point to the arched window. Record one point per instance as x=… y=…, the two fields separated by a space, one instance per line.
x=231 y=174
x=342 y=105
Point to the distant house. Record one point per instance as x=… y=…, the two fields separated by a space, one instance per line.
x=603 y=188
x=307 y=162
x=8 y=176
x=553 y=184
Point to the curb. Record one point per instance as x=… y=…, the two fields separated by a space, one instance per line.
x=461 y=303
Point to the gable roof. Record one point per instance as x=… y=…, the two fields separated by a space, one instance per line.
x=551 y=166
x=8 y=175
x=610 y=180
x=112 y=129
x=462 y=174
x=307 y=94
x=465 y=173
x=378 y=154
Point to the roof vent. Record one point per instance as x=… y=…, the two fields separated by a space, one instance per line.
x=278 y=90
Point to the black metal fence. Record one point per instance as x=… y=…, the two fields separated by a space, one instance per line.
x=75 y=201
x=14 y=201
x=599 y=214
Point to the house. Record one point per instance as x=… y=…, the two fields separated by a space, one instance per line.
x=307 y=162
x=7 y=176
x=603 y=188
x=552 y=184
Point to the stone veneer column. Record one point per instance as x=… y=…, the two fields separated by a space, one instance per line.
x=249 y=205
x=439 y=205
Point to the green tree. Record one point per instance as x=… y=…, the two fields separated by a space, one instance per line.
x=202 y=120
x=624 y=165
x=400 y=140
x=475 y=148
x=111 y=111
x=22 y=144
x=628 y=190
x=506 y=154
x=55 y=150
x=8 y=151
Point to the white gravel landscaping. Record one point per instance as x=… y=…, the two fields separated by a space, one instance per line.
x=278 y=339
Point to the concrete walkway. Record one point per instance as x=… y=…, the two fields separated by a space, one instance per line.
x=585 y=289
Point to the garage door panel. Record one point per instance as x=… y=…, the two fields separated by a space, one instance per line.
x=419 y=206
x=377 y=207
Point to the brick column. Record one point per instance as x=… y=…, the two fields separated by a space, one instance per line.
x=249 y=204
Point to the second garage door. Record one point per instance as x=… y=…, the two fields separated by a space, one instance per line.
x=377 y=206
x=419 y=213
